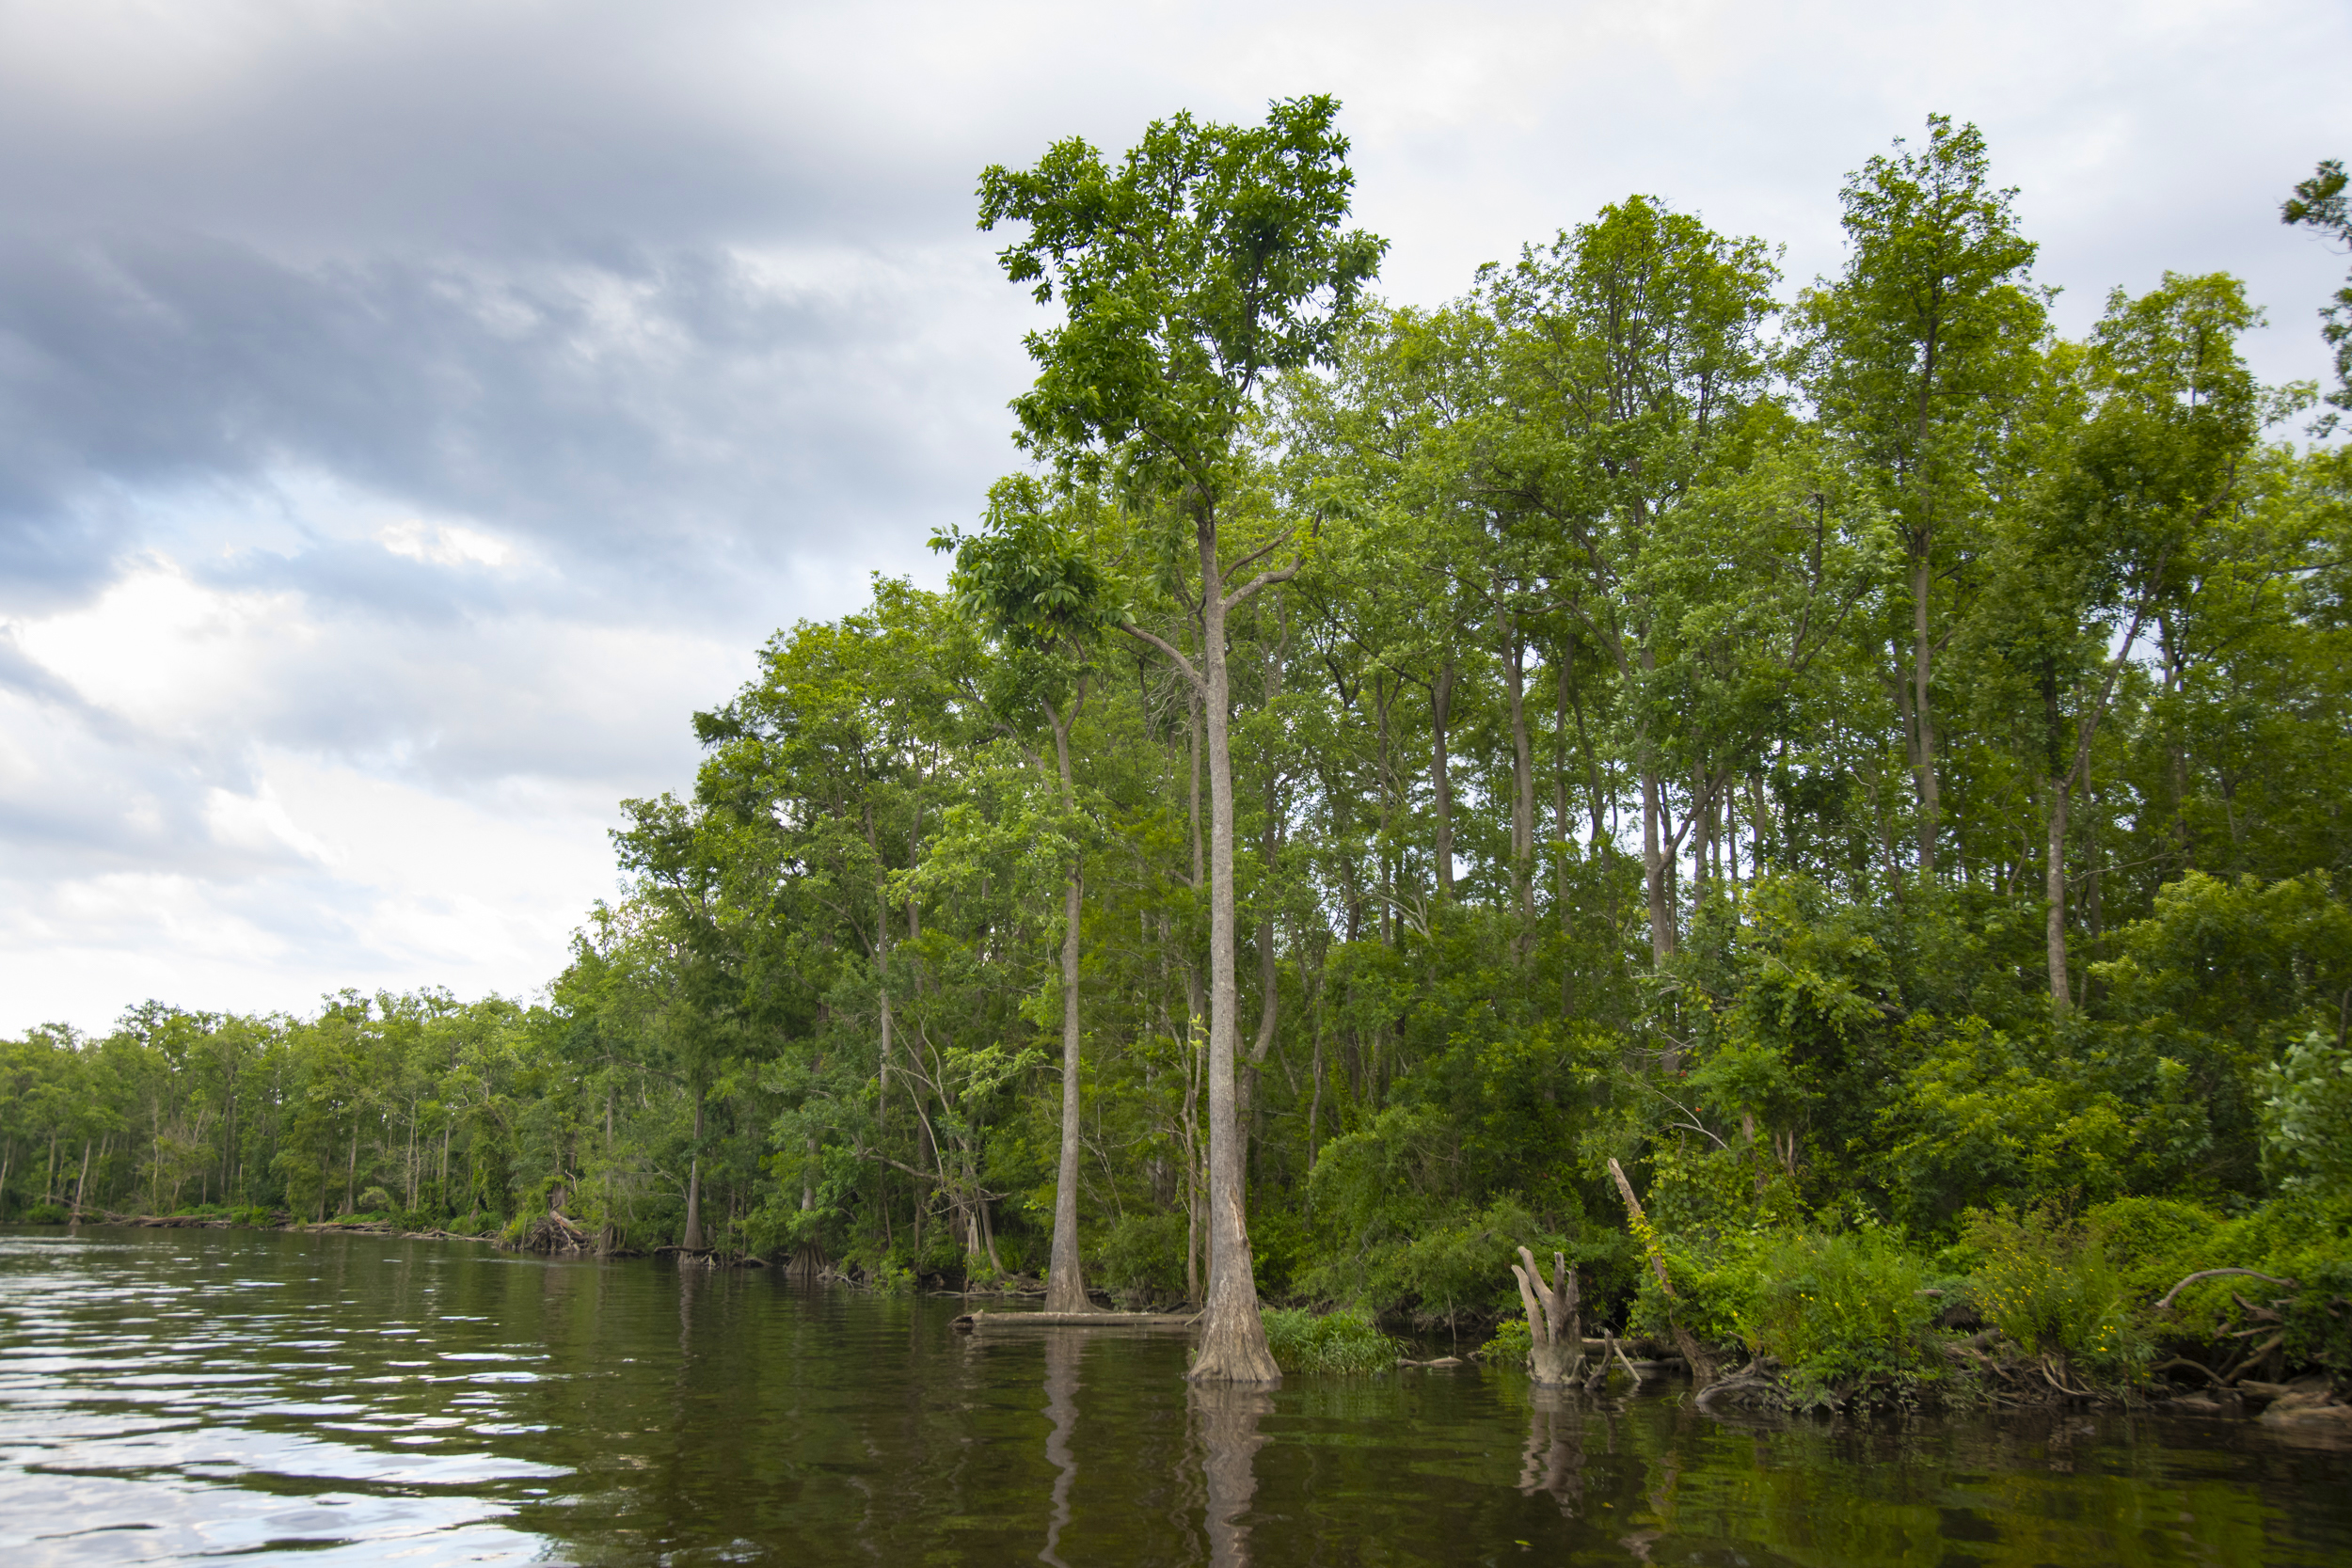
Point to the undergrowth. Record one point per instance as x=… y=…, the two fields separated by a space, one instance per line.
x=1305 y=1342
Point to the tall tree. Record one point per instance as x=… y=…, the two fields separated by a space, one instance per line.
x=1028 y=581
x=1916 y=355
x=1213 y=256
x=1634 y=351
x=2172 y=418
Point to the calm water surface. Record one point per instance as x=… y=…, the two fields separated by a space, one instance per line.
x=179 y=1394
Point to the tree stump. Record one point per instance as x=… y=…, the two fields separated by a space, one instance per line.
x=1557 y=1349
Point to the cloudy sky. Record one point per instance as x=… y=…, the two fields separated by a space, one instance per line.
x=408 y=414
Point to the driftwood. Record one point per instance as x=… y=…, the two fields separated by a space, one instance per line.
x=1702 y=1365
x=553 y=1233
x=1556 y=1339
x=2164 y=1302
x=1077 y=1319
x=1754 y=1384
x=1634 y=1369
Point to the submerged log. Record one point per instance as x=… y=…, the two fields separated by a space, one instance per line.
x=1077 y=1319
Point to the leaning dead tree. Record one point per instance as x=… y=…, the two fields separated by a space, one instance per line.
x=1557 y=1336
x=1693 y=1355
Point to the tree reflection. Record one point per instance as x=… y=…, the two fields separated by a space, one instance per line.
x=1226 y=1417
x=1062 y=1351
x=1555 y=1461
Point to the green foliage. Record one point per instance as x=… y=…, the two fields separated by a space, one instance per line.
x=1848 y=1310
x=1847 y=1314
x=1980 y=1118
x=1510 y=1345
x=1305 y=1342
x=2044 y=1279
x=1212 y=255
x=2307 y=1116
x=2319 y=203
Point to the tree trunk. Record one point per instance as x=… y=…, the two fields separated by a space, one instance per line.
x=1269 y=1016
x=1693 y=1353
x=1555 y=1330
x=1441 y=780
x=1923 y=715
x=1232 y=1337
x=693 y=1240
x=1522 y=790
x=1065 y=1283
x=2054 y=891
x=1661 y=917
x=1192 y=819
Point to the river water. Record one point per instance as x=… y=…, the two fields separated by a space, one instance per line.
x=174 y=1394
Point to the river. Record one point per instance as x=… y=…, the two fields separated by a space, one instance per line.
x=174 y=1394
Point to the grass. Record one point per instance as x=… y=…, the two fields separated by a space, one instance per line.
x=1304 y=1342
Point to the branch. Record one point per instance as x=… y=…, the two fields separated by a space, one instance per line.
x=2165 y=1303
x=1267 y=549
x=2115 y=671
x=1167 y=651
x=1263 y=580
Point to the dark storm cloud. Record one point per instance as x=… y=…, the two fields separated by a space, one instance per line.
x=663 y=422
x=477 y=124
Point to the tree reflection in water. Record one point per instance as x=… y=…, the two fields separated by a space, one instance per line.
x=1062 y=1352
x=1225 y=1417
x=1555 y=1461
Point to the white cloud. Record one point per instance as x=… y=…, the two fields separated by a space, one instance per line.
x=260 y=824
x=164 y=652
x=445 y=544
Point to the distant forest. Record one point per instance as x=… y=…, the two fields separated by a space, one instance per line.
x=1871 y=767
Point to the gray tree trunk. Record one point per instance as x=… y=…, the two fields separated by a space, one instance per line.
x=1065 y=1282
x=2054 y=890
x=693 y=1240
x=1232 y=1335
x=1440 y=777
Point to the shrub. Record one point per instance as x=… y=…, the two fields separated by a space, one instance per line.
x=1513 y=1342
x=375 y=1201
x=1334 y=1343
x=2154 y=1241
x=1143 y=1255
x=2045 y=1281
x=45 y=1213
x=2306 y=1115
x=1845 y=1312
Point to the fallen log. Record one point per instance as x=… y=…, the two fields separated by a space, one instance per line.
x=2164 y=1302
x=1693 y=1355
x=1077 y=1319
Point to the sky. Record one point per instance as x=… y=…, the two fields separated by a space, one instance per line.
x=410 y=413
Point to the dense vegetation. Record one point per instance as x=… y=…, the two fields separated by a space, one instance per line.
x=1869 y=765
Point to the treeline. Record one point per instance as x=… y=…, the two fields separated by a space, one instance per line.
x=1867 y=764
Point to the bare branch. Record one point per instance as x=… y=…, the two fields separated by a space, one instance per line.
x=1167 y=651
x=1263 y=580
x=2165 y=1302
x=1265 y=549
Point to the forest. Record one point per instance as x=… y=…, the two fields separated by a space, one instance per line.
x=1865 y=765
